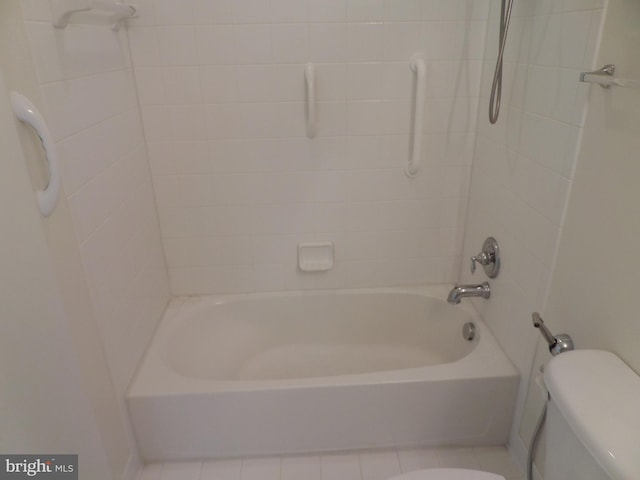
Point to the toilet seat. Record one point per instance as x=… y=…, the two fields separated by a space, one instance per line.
x=448 y=474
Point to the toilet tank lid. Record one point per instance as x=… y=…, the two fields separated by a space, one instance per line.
x=599 y=396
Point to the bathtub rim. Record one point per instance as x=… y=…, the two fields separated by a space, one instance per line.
x=154 y=377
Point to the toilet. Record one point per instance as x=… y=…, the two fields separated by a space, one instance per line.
x=592 y=427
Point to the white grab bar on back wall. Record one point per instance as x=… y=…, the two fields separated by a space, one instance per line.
x=419 y=68
x=29 y=114
x=310 y=82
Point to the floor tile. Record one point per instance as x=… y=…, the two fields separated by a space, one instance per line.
x=181 y=471
x=221 y=469
x=260 y=468
x=151 y=472
x=417 y=459
x=498 y=460
x=379 y=465
x=366 y=465
x=340 y=467
x=458 y=458
x=301 y=468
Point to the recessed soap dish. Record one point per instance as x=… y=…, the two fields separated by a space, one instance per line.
x=315 y=256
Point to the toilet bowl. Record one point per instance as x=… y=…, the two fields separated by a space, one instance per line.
x=448 y=474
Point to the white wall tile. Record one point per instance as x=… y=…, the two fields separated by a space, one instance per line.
x=290 y=43
x=89 y=92
x=143 y=42
x=182 y=85
x=523 y=164
x=56 y=51
x=218 y=84
x=216 y=44
x=364 y=81
x=365 y=42
x=364 y=10
x=446 y=40
x=213 y=11
x=332 y=119
x=157 y=126
x=177 y=45
x=462 y=10
x=288 y=11
x=327 y=42
x=327 y=10
x=401 y=41
x=169 y=12
x=145 y=14
x=401 y=10
x=575 y=28
x=188 y=122
x=86 y=154
x=36 y=10
x=331 y=81
x=253 y=44
x=557 y=151
x=252 y=11
x=151 y=87
x=227 y=143
x=82 y=102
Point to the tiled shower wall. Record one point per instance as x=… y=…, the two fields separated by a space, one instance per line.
x=90 y=103
x=237 y=182
x=523 y=167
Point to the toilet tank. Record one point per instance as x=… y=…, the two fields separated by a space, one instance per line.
x=593 y=419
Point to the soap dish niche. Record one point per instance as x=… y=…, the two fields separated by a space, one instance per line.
x=315 y=256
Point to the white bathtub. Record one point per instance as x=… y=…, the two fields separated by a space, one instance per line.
x=319 y=371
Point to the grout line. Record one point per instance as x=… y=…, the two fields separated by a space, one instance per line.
x=474 y=452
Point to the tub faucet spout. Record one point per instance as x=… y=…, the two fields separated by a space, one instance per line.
x=460 y=291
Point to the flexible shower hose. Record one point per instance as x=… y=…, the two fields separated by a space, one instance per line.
x=496 y=86
x=533 y=446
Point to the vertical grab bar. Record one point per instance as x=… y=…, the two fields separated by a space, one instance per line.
x=29 y=114
x=419 y=68
x=310 y=82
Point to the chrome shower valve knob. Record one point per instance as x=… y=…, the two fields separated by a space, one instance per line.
x=483 y=259
x=489 y=258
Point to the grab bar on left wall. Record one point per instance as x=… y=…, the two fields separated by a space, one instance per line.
x=419 y=68
x=29 y=114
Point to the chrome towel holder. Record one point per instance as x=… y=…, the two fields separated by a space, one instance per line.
x=604 y=77
x=118 y=12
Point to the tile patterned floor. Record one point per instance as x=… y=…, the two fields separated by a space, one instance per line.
x=366 y=465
